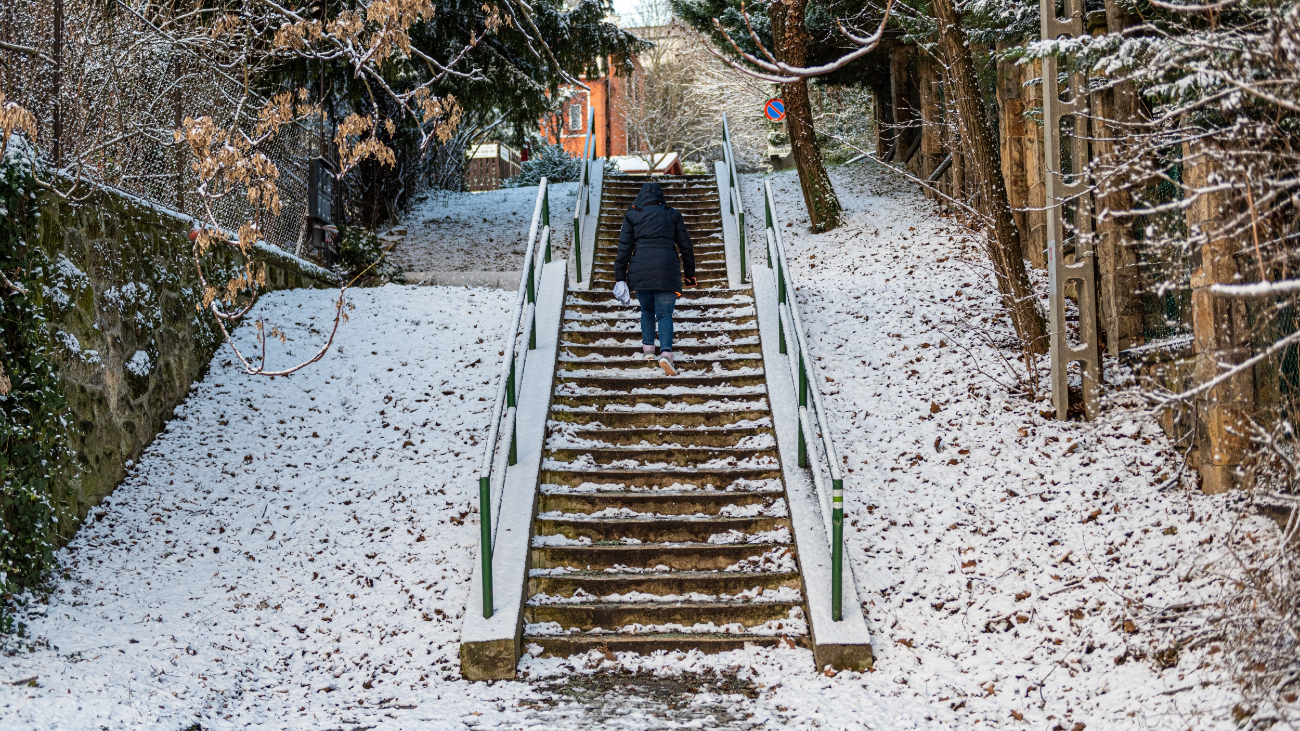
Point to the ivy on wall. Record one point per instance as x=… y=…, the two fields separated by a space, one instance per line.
x=34 y=453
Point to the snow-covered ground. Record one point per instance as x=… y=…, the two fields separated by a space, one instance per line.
x=295 y=553
x=457 y=232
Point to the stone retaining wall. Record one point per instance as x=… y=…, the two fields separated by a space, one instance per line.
x=130 y=339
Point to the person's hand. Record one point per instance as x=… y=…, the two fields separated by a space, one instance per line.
x=621 y=294
x=690 y=282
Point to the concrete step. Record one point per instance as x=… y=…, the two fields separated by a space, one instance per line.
x=680 y=457
x=697 y=297
x=718 y=584
x=630 y=359
x=635 y=380
x=715 y=437
x=568 y=645
x=606 y=403
x=678 y=419
x=684 y=352
x=612 y=615
x=714 y=338
x=677 y=556
x=631 y=315
x=659 y=502
x=717 y=479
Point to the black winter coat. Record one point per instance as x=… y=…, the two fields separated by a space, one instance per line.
x=653 y=236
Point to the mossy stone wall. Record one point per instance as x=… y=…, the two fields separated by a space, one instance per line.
x=131 y=341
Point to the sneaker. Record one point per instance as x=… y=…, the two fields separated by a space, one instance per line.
x=666 y=362
x=647 y=351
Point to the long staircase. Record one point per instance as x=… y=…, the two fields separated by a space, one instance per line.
x=662 y=521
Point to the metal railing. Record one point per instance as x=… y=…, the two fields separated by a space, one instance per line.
x=809 y=385
x=504 y=409
x=735 y=206
x=583 y=205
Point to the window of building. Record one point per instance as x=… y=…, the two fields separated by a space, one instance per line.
x=575 y=117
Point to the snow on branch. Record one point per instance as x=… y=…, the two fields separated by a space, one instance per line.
x=778 y=72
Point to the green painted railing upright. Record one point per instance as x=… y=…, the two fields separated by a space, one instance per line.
x=735 y=204
x=814 y=425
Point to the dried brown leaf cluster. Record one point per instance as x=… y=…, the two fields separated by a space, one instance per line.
x=14 y=118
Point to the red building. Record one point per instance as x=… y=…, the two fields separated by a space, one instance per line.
x=568 y=125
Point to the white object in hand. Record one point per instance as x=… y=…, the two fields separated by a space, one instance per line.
x=621 y=294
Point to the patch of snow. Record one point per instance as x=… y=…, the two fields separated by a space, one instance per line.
x=140 y=363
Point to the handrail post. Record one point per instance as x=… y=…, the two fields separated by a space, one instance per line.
x=512 y=403
x=512 y=457
x=577 y=248
x=485 y=535
x=741 y=228
x=803 y=406
x=837 y=549
x=546 y=206
x=510 y=386
x=780 y=330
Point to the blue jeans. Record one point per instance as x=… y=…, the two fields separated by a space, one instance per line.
x=657 y=305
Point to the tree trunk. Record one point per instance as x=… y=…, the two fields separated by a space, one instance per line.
x=790 y=37
x=986 y=175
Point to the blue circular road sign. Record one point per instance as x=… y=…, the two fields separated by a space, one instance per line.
x=774 y=110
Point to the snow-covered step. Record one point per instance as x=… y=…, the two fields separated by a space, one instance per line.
x=746 y=435
x=662 y=529
x=601 y=615
x=627 y=558
x=658 y=456
x=667 y=586
x=693 y=502
x=667 y=642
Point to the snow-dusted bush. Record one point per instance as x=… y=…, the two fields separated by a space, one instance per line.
x=552 y=163
x=361 y=254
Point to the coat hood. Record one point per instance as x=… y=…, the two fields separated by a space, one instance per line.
x=650 y=193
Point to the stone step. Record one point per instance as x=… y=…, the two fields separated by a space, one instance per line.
x=605 y=403
x=632 y=315
x=715 y=437
x=679 y=419
x=712 y=295
x=681 y=457
x=702 y=264
x=636 y=380
x=685 y=308
x=668 y=529
x=630 y=359
x=612 y=615
x=712 y=338
x=683 y=351
x=711 y=254
x=717 y=584
x=568 y=645
x=718 y=479
x=659 y=502
x=650 y=556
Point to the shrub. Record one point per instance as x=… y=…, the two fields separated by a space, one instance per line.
x=361 y=254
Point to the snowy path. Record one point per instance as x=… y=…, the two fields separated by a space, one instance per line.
x=485 y=231
x=263 y=567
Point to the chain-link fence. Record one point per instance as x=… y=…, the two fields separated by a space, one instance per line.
x=110 y=86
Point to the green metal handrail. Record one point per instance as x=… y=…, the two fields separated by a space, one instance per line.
x=735 y=205
x=809 y=380
x=583 y=205
x=504 y=408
